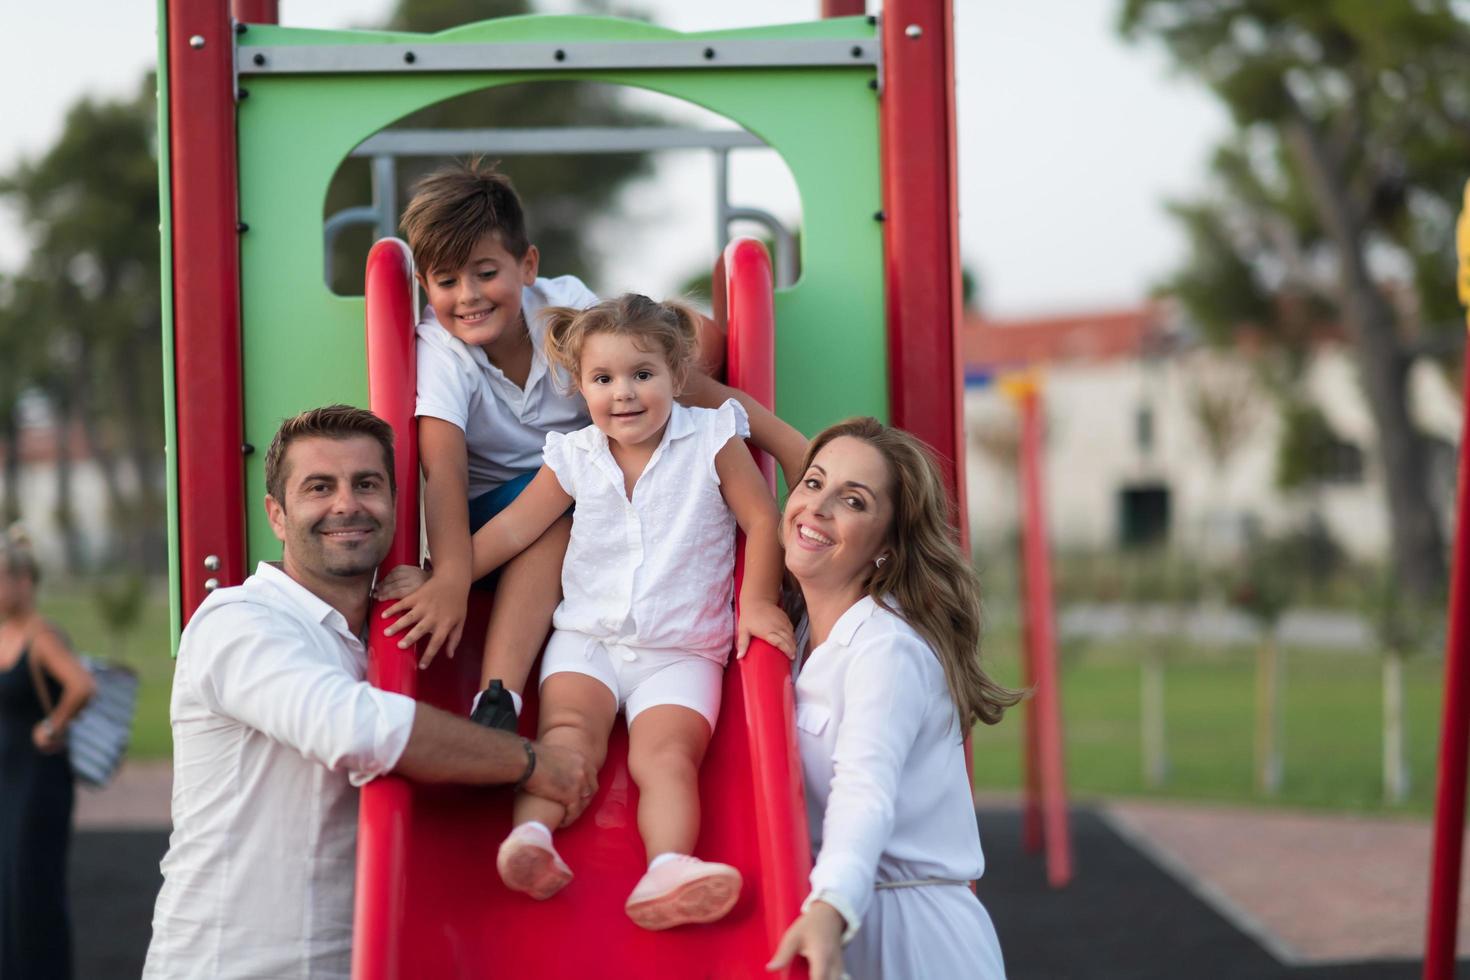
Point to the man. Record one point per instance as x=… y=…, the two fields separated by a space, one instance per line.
x=275 y=727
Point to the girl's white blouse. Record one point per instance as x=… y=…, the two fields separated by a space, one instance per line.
x=888 y=794
x=654 y=572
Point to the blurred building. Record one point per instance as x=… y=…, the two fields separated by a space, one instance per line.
x=56 y=465
x=1155 y=438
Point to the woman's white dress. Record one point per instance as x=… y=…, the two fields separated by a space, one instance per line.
x=888 y=800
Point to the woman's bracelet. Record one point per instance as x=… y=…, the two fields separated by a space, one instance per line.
x=530 y=765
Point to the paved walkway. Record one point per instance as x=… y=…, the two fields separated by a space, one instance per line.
x=1312 y=888
x=1270 y=889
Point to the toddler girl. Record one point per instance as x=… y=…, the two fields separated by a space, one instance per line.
x=645 y=624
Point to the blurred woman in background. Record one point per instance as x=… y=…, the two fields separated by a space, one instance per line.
x=35 y=776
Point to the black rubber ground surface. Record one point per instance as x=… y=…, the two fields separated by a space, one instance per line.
x=1121 y=917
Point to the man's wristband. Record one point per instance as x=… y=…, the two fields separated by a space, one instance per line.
x=530 y=765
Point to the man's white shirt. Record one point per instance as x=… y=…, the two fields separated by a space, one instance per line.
x=504 y=424
x=274 y=728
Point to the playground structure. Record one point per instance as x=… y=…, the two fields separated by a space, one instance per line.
x=255 y=120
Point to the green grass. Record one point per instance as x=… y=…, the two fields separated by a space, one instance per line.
x=1332 y=707
x=1333 y=726
x=145 y=648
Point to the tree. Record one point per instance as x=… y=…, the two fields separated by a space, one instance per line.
x=83 y=319
x=562 y=193
x=1334 y=200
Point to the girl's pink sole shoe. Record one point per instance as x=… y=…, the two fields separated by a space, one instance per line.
x=528 y=863
x=683 y=891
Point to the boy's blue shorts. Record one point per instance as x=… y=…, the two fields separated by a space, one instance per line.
x=484 y=508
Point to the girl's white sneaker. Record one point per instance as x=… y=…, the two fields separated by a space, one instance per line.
x=683 y=890
x=528 y=863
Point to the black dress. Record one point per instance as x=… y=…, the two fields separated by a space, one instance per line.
x=35 y=828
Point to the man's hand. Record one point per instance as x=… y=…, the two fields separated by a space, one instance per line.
x=436 y=609
x=764 y=621
x=563 y=776
x=403 y=580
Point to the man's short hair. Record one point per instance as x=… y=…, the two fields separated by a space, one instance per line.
x=456 y=206
x=329 y=422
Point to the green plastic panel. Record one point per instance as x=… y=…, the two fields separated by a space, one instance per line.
x=303 y=346
x=166 y=271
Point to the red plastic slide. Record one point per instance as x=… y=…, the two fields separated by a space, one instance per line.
x=429 y=902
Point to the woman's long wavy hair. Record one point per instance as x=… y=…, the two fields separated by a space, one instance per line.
x=925 y=580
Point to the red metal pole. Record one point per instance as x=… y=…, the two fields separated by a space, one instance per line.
x=258 y=11
x=921 y=238
x=206 y=300
x=1449 y=804
x=1047 y=697
x=1032 y=837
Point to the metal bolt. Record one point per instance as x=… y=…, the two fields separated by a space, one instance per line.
x=879 y=216
x=259 y=58
x=210 y=584
x=241 y=28
x=873 y=84
x=913 y=32
x=243 y=94
x=857 y=51
x=709 y=54
x=872 y=20
x=246 y=449
x=409 y=57
x=241 y=227
x=196 y=41
x=561 y=55
x=211 y=563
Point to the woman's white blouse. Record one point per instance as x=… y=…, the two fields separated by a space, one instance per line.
x=888 y=794
x=653 y=572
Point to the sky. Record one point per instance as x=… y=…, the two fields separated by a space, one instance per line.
x=1070 y=140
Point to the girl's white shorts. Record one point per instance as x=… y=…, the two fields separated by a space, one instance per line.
x=640 y=679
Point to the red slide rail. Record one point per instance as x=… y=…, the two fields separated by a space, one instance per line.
x=429 y=902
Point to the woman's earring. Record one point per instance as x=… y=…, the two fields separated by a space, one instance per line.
x=880 y=560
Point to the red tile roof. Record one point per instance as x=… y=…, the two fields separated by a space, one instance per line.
x=1094 y=336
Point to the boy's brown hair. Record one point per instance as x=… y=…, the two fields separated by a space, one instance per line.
x=328 y=422
x=456 y=206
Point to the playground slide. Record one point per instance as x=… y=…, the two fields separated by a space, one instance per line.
x=429 y=902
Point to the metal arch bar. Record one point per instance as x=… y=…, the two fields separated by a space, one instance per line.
x=785 y=241
x=552 y=139
x=540 y=56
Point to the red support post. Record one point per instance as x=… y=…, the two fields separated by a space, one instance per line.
x=1449 y=803
x=921 y=238
x=257 y=11
x=1046 y=703
x=206 y=300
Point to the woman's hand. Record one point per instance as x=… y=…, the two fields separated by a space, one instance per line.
x=435 y=608
x=764 y=621
x=816 y=935
x=47 y=738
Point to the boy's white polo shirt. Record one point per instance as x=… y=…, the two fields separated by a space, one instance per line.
x=504 y=425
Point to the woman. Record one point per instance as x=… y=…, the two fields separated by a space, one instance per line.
x=884 y=699
x=35 y=777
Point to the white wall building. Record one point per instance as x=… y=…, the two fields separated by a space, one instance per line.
x=1126 y=458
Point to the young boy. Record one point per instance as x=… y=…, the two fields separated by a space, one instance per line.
x=486 y=399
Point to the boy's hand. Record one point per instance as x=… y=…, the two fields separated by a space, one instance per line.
x=403 y=580
x=764 y=621
x=436 y=610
